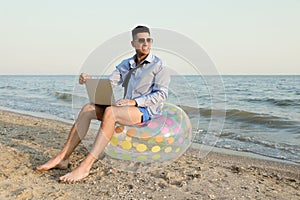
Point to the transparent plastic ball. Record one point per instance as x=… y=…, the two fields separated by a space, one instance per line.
x=150 y=145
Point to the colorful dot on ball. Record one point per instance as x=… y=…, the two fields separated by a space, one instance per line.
x=180 y=140
x=169 y=121
x=126 y=145
x=170 y=140
x=131 y=132
x=126 y=157
x=159 y=138
x=114 y=140
x=152 y=125
x=155 y=149
x=168 y=149
x=119 y=129
x=141 y=147
x=142 y=158
x=164 y=129
x=156 y=157
x=176 y=129
x=145 y=136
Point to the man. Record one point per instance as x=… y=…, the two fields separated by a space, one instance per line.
x=146 y=81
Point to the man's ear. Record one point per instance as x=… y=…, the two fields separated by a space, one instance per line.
x=132 y=44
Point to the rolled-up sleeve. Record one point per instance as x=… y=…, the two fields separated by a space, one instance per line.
x=115 y=78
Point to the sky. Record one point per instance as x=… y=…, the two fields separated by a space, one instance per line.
x=248 y=37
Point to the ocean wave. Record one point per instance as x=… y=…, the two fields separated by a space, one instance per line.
x=63 y=96
x=9 y=87
x=291 y=152
x=237 y=115
x=280 y=146
x=277 y=102
x=258 y=118
x=243 y=143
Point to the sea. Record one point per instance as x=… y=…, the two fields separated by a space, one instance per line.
x=259 y=114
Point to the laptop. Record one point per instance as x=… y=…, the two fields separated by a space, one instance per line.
x=100 y=92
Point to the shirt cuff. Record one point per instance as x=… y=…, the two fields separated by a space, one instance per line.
x=140 y=102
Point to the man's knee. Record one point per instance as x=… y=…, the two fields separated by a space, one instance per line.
x=88 y=110
x=88 y=107
x=109 y=113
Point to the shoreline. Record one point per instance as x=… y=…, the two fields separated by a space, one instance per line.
x=40 y=115
x=197 y=146
x=207 y=149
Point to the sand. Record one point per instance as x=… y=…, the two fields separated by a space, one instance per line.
x=27 y=142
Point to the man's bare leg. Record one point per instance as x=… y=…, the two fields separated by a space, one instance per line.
x=122 y=115
x=77 y=133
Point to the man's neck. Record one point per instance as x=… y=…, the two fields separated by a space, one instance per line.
x=139 y=58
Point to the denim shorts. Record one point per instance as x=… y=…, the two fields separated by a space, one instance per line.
x=145 y=116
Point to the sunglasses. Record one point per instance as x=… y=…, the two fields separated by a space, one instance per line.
x=143 y=40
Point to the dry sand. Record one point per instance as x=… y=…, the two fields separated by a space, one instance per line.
x=27 y=142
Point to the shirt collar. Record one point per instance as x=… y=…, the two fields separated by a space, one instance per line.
x=148 y=59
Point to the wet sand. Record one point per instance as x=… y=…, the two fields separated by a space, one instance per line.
x=27 y=142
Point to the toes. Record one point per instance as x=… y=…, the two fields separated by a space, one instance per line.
x=64 y=179
x=68 y=178
x=41 y=168
x=73 y=176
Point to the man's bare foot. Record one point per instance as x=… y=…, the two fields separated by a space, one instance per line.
x=77 y=174
x=54 y=163
x=80 y=172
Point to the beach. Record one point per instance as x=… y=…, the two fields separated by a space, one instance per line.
x=27 y=142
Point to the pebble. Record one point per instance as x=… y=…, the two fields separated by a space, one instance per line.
x=183 y=184
x=170 y=175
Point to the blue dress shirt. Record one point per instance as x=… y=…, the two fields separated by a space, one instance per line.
x=148 y=85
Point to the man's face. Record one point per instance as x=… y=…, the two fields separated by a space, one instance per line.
x=142 y=43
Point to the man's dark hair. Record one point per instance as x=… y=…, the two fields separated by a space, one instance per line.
x=140 y=29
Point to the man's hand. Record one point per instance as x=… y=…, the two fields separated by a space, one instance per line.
x=83 y=77
x=126 y=102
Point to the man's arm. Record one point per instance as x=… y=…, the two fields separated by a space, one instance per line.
x=115 y=78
